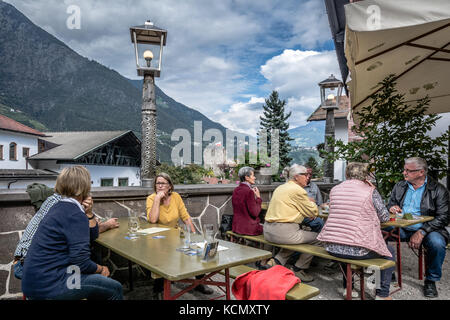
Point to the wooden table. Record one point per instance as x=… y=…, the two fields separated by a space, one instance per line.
x=395 y=233
x=160 y=257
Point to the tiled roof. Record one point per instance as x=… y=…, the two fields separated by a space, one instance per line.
x=12 y=125
x=23 y=173
x=342 y=112
x=72 y=145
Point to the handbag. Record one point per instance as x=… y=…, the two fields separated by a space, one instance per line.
x=226 y=223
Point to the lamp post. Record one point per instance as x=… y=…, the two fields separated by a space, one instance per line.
x=148 y=40
x=329 y=102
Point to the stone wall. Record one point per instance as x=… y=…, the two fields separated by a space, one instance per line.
x=205 y=204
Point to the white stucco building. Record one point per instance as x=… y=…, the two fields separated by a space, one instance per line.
x=17 y=143
x=28 y=156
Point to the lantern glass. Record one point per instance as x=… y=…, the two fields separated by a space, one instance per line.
x=145 y=38
x=155 y=50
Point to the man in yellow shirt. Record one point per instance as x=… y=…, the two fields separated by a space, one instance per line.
x=288 y=207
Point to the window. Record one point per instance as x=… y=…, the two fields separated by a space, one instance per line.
x=106 y=182
x=26 y=152
x=1 y=152
x=12 y=151
x=123 y=182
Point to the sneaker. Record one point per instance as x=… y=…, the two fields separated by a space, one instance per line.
x=429 y=289
x=355 y=294
x=331 y=265
x=301 y=273
x=203 y=289
x=273 y=262
x=157 y=296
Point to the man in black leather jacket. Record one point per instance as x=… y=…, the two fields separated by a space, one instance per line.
x=421 y=195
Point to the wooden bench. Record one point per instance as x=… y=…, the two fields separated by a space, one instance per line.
x=300 y=291
x=351 y=265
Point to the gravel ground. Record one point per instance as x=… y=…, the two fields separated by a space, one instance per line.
x=329 y=283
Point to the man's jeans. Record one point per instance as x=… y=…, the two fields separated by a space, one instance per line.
x=94 y=287
x=316 y=224
x=385 y=275
x=435 y=246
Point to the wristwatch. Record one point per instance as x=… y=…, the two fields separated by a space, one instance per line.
x=423 y=232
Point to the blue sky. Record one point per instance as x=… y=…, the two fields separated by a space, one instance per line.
x=222 y=58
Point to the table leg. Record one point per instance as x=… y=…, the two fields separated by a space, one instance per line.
x=227 y=283
x=399 y=259
x=167 y=290
x=361 y=283
x=349 y=279
x=421 y=263
x=130 y=274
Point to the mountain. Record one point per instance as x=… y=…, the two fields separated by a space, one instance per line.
x=309 y=135
x=22 y=118
x=48 y=82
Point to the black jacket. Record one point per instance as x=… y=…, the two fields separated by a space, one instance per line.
x=434 y=203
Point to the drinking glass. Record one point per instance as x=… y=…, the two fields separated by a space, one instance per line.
x=187 y=237
x=107 y=215
x=209 y=232
x=133 y=223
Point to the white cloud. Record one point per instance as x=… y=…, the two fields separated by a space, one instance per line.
x=295 y=74
x=242 y=116
x=214 y=49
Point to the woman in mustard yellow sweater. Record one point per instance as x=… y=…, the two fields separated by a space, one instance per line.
x=166 y=207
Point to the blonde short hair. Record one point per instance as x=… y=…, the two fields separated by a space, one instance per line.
x=357 y=170
x=74 y=182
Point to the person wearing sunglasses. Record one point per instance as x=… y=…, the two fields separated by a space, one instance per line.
x=419 y=194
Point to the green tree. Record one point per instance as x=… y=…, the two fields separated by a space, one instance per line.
x=392 y=131
x=275 y=117
x=189 y=174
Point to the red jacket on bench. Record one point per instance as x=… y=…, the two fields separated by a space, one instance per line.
x=270 y=284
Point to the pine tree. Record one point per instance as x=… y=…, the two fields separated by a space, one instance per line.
x=275 y=118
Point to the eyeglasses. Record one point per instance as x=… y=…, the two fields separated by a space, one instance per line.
x=409 y=171
x=161 y=183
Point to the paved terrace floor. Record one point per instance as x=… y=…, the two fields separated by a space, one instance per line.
x=329 y=283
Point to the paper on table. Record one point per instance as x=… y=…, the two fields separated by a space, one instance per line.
x=152 y=230
x=202 y=245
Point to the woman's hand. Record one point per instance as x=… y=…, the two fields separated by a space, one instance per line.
x=109 y=224
x=395 y=209
x=256 y=191
x=87 y=204
x=161 y=195
x=105 y=271
x=369 y=183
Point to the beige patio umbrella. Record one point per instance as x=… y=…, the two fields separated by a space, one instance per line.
x=410 y=38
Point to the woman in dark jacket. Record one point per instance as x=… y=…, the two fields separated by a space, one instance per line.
x=246 y=201
x=58 y=264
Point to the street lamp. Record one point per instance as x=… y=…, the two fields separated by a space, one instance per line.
x=148 y=40
x=329 y=101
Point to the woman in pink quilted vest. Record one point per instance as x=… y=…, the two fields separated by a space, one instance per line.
x=352 y=230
